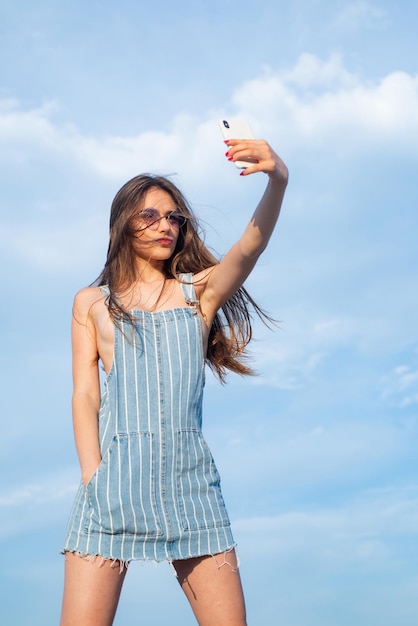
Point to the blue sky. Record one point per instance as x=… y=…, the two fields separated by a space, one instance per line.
x=318 y=453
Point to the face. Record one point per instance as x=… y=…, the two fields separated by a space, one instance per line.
x=155 y=239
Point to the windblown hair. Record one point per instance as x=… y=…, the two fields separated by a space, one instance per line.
x=231 y=329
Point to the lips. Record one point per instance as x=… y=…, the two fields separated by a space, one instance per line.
x=165 y=241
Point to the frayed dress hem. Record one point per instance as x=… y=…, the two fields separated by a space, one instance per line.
x=124 y=564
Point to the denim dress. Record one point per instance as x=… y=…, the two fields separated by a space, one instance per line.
x=156 y=493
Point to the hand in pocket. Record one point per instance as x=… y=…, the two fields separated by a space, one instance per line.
x=88 y=472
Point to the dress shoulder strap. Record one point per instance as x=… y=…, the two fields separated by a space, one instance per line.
x=105 y=290
x=188 y=289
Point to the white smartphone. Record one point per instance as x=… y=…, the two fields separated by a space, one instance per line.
x=237 y=129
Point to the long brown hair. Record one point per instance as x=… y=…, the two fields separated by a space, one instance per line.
x=231 y=329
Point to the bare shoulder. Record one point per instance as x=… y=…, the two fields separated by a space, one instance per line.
x=86 y=300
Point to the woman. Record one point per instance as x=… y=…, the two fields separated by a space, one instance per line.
x=162 y=306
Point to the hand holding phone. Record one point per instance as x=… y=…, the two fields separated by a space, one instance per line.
x=237 y=129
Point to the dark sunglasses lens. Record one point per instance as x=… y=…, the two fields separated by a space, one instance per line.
x=177 y=219
x=149 y=216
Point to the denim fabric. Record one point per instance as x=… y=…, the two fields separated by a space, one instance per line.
x=156 y=493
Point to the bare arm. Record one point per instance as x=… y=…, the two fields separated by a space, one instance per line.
x=223 y=280
x=86 y=390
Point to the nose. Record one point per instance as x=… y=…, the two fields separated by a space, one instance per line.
x=164 y=223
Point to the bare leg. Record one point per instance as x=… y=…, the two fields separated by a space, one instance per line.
x=91 y=591
x=212 y=585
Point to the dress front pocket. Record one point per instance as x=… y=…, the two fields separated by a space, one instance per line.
x=121 y=493
x=200 y=500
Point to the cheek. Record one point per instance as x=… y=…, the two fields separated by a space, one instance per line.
x=178 y=240
x=140 y=241
x=141 y=235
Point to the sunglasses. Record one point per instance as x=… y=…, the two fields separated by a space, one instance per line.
x=151 y=218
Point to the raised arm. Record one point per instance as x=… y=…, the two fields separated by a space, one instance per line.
x=223 y=280
x=86 y=389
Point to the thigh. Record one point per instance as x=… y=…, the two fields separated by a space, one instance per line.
x=91 y=591
x=213 y=587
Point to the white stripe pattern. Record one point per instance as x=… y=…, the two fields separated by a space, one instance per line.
x=156 y=493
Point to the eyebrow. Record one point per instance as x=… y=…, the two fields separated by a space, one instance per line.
x=152 y=208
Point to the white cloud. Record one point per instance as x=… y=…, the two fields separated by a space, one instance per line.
x=359 y=531
x=291 y=355
x=310 y=72
x=150 y=151
x=401 y=385
x=32 y=132
x=316 y=104
x=321 y=105
x=301 y=443
x=57 y=247
x=35 y=494
x=362 y=15
x=19 y=125
x=36 y=504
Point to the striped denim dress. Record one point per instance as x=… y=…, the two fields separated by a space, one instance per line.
x=156 y=493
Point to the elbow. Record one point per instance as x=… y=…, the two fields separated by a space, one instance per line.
x=253 y=252
x=85 y=401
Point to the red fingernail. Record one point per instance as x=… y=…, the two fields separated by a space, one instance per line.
x=227 y=153
x=242 y=173
x=230 y=158
x=226 y=141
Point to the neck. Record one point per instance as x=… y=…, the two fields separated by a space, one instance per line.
x=148 y=272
